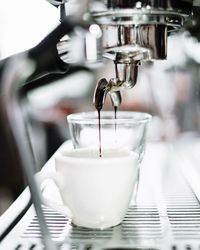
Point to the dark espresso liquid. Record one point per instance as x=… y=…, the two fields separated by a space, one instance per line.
x=100 y=93
x=99 y=120
x=115 y=111
x=99 y=97
x=99 y=125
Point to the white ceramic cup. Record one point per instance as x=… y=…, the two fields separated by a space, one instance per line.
x=96 y=191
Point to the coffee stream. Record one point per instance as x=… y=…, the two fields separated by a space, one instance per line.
x=125 y=77
x=99 y=120
x=99 y=125
x=115 y=110
x=99 y=98
x=102 y=89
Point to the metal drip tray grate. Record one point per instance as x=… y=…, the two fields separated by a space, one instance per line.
x=139 y=222
x=165 y=216
x=55 y=221
x=185 y=220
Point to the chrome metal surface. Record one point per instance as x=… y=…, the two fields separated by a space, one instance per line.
x=141 y=23
x=116 y=11
x=116 y=98
x=166 y=215
x=101 y=90
x=136 y=31
x=135 y=42
x=132 y=32
x=125 y=77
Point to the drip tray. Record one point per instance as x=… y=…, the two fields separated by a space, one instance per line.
x=165 y=216
x=140 y=223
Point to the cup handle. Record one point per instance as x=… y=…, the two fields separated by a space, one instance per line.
x=58 y=179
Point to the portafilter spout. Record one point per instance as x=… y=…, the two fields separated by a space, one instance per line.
x=126 y=72
x=125 y=78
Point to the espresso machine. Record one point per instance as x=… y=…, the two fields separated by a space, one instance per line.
x=128 y=33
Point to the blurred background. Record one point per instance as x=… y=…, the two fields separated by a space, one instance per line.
x=23 y=24
x=169 y=90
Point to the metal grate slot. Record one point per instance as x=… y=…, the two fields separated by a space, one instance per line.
x=141 y=222
x=56 y=224
x=138 y=223
x=184 y=217
x=81 y=234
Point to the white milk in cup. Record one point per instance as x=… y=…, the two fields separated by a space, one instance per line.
x=96 y=191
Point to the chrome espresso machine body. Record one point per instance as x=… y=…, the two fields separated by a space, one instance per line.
x=127 y=33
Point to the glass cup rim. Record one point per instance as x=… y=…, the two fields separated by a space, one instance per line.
x=107 y=117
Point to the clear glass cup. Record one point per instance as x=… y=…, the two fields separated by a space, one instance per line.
x=127 y=130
